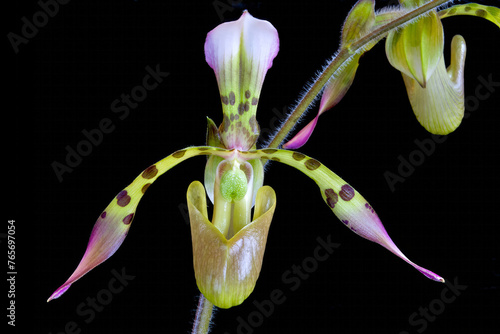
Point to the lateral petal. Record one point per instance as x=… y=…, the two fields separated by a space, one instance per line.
x=114 y=222
x=489 y=13
x=345 y=202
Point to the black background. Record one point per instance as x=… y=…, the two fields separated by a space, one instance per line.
x=64 y=80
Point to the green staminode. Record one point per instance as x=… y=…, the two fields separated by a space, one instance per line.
x=233 y=185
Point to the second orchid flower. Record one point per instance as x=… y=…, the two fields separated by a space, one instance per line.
x=436 y=92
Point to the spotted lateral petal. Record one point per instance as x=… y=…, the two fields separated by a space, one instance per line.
x=114 y=222
x=489 y=13
x=346 y=203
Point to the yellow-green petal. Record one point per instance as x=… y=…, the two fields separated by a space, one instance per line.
x=345 y=202
x=489 y=13
x=114 y=222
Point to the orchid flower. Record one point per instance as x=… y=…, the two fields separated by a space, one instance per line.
x=229 y=247
x=436 y=92
x=228 y=250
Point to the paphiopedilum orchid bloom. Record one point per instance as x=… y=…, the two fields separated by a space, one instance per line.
x=228 y=251
x=436 y=92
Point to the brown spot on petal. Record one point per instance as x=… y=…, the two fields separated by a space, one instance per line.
x=103 y=215
x=179 y=154
x=224 y=99
x=312 y=164
x=331 y=197
x=298 y=156
x=150 y=172
x=232 y=98
x=275 y=159
x=241 y=108
x=369 y=207
x=145 y=187
x=247 y=94
x=481 y=13
x=123 y=198
x=247 y=106
x=225 y=123
x=347 y=192
x=255 y=101
x=467 y=9
x=128 y=219
x=269 y=150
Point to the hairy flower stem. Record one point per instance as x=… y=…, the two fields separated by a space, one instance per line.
x=203 y=316
x=340 y=59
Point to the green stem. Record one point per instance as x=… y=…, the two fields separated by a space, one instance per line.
x=342 y=56
x=203 y=316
